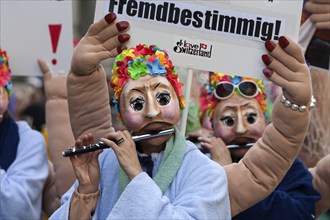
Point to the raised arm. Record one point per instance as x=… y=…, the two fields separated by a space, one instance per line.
x=89 y=107
x=265 y=164
x=88 y=93
x=59 y=132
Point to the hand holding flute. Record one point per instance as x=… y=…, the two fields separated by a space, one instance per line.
x=217 y=148
x=85 y=161
x=86 y=165
x=101 y=145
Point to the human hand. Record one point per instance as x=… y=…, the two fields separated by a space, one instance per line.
x=320 y=13
x=124 y=147
x=217 y=148
x=86 y=166
x=104 y=39
x=202 y=132
x=286 y=67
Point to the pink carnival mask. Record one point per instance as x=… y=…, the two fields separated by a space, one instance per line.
x=237 y=107
x=142 y=60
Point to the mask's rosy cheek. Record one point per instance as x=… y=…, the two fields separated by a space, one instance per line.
x=258 y=128
x=171 y=113
x=132 y=120
x=221 y=130
x=225 y=133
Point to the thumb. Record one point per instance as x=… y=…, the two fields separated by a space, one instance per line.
x=44 y=69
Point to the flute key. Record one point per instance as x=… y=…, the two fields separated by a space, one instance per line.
x=85 y=149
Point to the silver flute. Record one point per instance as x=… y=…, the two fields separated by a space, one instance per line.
x=101 y=145
x=232 y=146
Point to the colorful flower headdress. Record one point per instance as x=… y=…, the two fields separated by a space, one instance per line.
x=216 y=78
x=139 y=61
x=5 y=79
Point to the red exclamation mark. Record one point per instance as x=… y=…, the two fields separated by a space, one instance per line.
x=54 y=30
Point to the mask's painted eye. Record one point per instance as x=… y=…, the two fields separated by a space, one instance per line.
x=163 y=98
x=137 y=104
x=228 y=121
x=251 y=118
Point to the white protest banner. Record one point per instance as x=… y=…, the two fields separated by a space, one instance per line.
x=223 y=36
x=37 y=29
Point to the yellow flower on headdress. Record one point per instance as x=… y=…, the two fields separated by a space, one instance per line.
x=162 y=58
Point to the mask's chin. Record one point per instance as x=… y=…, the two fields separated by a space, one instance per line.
x=153 y=145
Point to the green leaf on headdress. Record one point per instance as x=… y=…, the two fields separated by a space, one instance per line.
x=120 y=57
x=138 y=69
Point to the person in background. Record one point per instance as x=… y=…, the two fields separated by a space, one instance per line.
x=315 y=21
x=34 y=113
x=149 y=99
x=315 y=150
x=321 y=182
x=23 y=159
x=318 y=49
x=237 y=111
x=318 y=56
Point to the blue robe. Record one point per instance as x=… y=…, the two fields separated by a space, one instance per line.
x=198 y=191
x=294 y=198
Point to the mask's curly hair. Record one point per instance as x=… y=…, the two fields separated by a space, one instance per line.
x=216 y=78
x=5 y=77
x=139 y=61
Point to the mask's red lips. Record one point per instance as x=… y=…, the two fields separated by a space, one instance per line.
x=155 y=131
x=154 y=128
x=242 y=141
